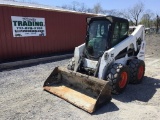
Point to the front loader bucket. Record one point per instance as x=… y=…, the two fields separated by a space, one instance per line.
x=83 y=91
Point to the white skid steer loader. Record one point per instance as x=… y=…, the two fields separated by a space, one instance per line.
x=108 y=60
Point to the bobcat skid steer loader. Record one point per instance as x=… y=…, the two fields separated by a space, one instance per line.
x=108 y=60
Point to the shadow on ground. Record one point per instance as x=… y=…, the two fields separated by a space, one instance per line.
x=141 y=92
x=110 y=107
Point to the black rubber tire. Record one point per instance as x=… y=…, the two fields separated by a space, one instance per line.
x=71 y=64
x=114 y=76
x=135 y=67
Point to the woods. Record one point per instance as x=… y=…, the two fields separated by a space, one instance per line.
x=137 y=14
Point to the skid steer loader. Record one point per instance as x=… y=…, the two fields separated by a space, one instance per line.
x=108 y=60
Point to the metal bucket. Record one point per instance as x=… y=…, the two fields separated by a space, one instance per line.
x=83 y=91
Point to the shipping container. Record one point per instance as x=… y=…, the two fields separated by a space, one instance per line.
x=31 y=30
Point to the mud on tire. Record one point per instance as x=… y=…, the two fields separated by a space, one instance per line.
x=71 y=64
x=118 y=76
x=137 y=70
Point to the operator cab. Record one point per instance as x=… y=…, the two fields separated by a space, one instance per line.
x=104 y=33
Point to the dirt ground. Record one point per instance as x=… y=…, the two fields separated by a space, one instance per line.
x=22 y=96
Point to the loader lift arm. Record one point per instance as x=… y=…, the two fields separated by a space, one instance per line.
x=110 y=55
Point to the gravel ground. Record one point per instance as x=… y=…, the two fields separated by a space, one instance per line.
x=22 y=95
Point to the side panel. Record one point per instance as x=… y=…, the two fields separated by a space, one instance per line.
x=77 y=55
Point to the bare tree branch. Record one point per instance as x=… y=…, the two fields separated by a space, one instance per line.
x=97 y=8
x=134 y=14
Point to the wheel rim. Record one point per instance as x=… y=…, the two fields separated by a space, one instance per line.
x=140 y=72
x=123 y=80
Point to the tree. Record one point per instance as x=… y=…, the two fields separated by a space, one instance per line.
x=147 y=18
x=76 y=6
x=97 y=8
x=124 y=13
x=89 y=10
x=133 y=14
x=66 y=7
x=82 y=7
x=114 y=12
x=136 y=11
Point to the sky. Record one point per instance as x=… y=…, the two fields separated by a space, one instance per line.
x=153 y=5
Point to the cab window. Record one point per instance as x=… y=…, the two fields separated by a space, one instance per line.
x=120 y=33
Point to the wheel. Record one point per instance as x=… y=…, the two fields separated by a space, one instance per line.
x=118 y=76
x=71 y=64
x=137 y=70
